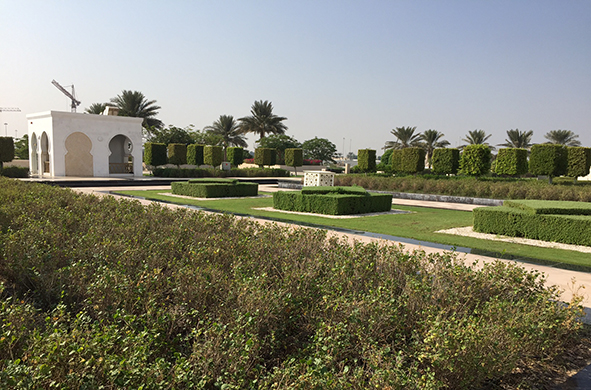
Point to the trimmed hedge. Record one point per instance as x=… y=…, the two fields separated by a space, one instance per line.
x=214 y=188
x=294 y=157
x=396 y=160
x=320 y=190
x=336 y=202
x=475 y=160
x=14 y=172
x=154 y=154
x=446 y=161
x=235 y=155
x=514 y=222
x=201 y=172
x=366 y=160
x=213 y=155
x=177 y=154
x=550 y=207
x=578 y=161
x=195 y=154
x=411 y=160
x=511 y=161
x=548 y=160
x=6 y=150
x=265 y=156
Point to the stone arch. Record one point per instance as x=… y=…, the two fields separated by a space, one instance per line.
x=120 y=158
x=34 y=155
x=45 y=168
x=79 y=161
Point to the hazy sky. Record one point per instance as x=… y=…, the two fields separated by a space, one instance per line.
x=344 y=70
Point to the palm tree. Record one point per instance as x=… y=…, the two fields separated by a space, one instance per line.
x=96 y=108
x=405 y=138
x=135 y=104
x=563 y=137
x=477 y=137
x=229 y=131
x=431 y=141
x=262 y=121
x=518 y=139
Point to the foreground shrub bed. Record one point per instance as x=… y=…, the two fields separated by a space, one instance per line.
x=102 y=293
x=472 y=187
x=214 y=188
x=200 y=172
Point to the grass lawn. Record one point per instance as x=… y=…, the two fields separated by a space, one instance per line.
x=420 y=225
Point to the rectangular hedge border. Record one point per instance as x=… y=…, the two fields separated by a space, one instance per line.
x=214 y=188
x=509 y=221
x=332 y=203
x=550 y=207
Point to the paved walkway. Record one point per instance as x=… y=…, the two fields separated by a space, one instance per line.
x=568 y=281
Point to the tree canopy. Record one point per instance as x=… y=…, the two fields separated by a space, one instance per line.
x=562 y=137
x=228 y=130
x=431 y=140
x=405 y=138
x=518 y=139
x=135 y=104
x=477 y=137
x=320 y=149
x=21 y=147
x=262 y=121
x=96 y=108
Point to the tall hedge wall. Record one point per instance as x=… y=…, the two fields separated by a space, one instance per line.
x=177 y=154
x=154 y=154
x=446 y=161
x=265 y=156
x=408 y=160
x=548 y=159
x=195 y=154
x=511 y=161
x=475 y=160
x=578 y=161
x=235 y=156
x=366 y=160
x=6 y=150
x=212 y=155
x=294 y=157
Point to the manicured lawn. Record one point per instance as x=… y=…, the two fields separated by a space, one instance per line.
x=420 y=225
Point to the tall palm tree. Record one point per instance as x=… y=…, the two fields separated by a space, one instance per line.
x=563 y=137
x=135 y=104
x=476 y=137
x=96 y=108
x=430 y=141
x=229 y=132
x=405 y=138
x=518 y=139
x=262 y=121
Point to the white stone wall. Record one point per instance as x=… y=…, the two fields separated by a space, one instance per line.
x=100 y=129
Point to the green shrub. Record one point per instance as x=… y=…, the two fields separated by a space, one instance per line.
x=265 y=156
x=195 y=154
x=396 y=160
x=213 y=155
x=355 y=190
x=177 y=154
x=332 y=203
x=199 y=172
x=14 y=172
x=366 y=160
x=294 y=157
x=511 y=161
x=218 y=188
x=6 y=150
x=579 y=159
x=411 y=160
x=235 y=155
x=550 y=207
x=106 y=293
x=446 y=161
x=515 y=222
x=154 y=154
x=475 y=160
x=548 y=160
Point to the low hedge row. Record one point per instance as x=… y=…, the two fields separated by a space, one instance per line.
x=14 y=172
x=207 y=188
x=332 y=203
x=516 y=222
x=199 y=172
x=550 y=207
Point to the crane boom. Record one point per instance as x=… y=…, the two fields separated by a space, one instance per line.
x=6 y=109
x=75 y=103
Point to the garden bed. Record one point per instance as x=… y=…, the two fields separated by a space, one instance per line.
x=214 y=188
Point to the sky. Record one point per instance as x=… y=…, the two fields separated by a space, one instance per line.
x=348 y=71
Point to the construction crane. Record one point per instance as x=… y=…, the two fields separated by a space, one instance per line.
x=6 y=109
x=75 y=103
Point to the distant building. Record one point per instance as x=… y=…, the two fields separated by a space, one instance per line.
x=84 y=145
